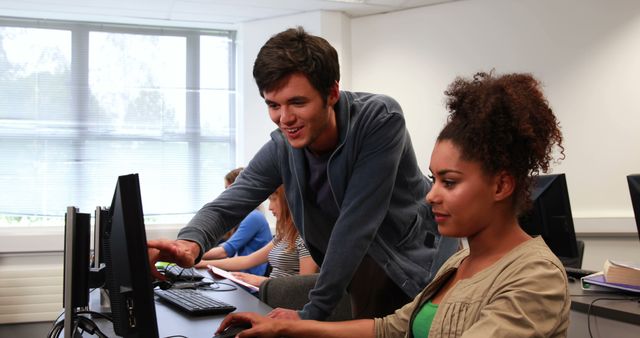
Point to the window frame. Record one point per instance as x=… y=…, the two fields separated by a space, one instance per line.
x=39 y=238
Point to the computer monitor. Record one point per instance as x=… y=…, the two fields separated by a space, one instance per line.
x=129 y=279
x=101 y=217
x=634 y=191
x=75 y=293
x=550 y=217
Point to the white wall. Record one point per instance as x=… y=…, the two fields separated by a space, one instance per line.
x=585 y=52
x=599 y=248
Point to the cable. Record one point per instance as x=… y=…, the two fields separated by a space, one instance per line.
x=215 y=286
x=189 y=278
x=54 y=326
x=599 y=299
x=96 y=314
x=172 y=279
x=176 y=282
x=90 y=326
x=83 y=323
x=179 y=274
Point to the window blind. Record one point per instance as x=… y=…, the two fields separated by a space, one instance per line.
x=82 y=103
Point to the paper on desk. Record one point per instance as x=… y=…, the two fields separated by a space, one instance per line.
x=226 y=274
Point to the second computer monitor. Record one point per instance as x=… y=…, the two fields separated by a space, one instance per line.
x=550 y=217
x=634 y=191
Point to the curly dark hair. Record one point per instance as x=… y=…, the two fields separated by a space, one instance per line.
x=296 y=51
x=504 y=123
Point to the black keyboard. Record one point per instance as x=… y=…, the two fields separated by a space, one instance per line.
x=194 y=302
x=176 y=273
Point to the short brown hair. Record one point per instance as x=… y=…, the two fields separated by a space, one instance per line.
x=231 y=176
x=296 y=51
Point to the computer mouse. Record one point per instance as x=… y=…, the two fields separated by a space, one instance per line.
x=233 y=330
x=162 y=284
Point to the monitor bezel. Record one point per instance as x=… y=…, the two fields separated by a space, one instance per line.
x=633 y=181
x=536 y=221
x=129 y=280
x=75 y=285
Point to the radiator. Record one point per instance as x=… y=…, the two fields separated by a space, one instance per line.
x=31 y=282
x=30 y=288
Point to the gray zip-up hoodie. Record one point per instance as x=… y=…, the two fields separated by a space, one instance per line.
x=379 y=190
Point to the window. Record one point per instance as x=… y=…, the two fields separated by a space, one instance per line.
x=83 y=103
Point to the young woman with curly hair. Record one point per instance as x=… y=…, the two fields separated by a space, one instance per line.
x=500 y=132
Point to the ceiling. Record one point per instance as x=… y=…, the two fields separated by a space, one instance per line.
x=193 y=12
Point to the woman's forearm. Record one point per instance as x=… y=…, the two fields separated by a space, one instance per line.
x=215 y=253
x=362 y=328
x=236 y=263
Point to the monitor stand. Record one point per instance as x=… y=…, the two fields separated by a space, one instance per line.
x=105 y=303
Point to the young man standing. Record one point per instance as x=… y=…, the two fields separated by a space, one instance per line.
x=352 y=182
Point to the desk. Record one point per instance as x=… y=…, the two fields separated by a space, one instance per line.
x=608 y=318
x=174 y=322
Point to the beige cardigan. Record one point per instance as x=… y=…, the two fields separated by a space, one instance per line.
x=524 y=294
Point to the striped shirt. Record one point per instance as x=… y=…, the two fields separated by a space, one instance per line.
x=284 y=262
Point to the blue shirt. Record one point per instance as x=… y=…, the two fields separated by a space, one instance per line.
x=253 y=233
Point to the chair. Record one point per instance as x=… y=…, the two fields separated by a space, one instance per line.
x=292 y=292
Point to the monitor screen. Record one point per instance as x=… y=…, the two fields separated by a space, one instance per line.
x=75 y=294
x=129 y=279
x=634 y=190
x=550 y=217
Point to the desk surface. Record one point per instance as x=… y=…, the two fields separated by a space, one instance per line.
x=616 y=306
x=174 y=322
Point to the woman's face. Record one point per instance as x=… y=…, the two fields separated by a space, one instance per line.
x=462 y=195
x=274 y=205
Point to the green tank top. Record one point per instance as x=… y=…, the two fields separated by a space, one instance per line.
x=422 y=321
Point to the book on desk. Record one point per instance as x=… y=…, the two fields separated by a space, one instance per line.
x=616 y=276
x=598 y=282
x=622 y=272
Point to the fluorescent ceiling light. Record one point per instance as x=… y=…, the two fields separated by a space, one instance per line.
x=348 y=1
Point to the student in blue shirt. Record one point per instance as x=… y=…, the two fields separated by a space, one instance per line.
x=249 y=236
x=286 y=253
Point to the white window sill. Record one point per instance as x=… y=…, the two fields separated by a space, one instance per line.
x=51 y=239
x=48 y=239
